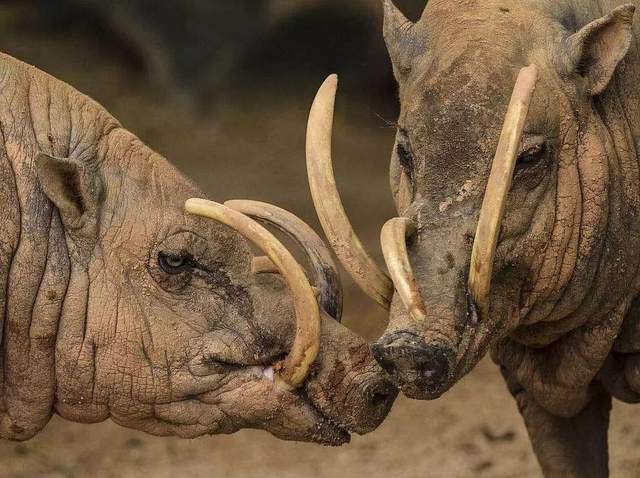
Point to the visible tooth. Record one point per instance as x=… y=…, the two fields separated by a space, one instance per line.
x=267 y=372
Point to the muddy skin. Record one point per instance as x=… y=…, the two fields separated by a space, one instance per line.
x=116 y=304
x=561 y=322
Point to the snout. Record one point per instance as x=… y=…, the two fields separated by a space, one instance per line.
x=357 y=400
x=422 y=370
x=371 y=400
x=346 y=384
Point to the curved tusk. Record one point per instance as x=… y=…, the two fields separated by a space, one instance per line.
x=344 y=241
x=264 y=265
x=393 y=239
x=325 y=275
x=295 y=367
x=484 y=245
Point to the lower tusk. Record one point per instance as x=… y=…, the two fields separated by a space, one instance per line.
x=493 y=205
x=393 y=239
x=292 y=372
x=263 y=265
x=324 y=272
x=324 y=192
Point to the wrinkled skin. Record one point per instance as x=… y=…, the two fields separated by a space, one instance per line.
x=561 y=323
x=116 y=304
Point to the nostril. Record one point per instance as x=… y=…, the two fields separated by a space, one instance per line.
x=379 y=398
x=380 y=394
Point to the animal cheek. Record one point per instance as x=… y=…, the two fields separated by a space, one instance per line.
x=184 y=384
x=195 y=414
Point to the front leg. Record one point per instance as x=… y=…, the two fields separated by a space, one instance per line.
x=567 y=447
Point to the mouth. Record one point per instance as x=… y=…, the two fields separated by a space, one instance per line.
x=327 y=431
x=413 y=387
x=330 y=432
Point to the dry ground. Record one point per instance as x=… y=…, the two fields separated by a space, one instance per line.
x=253 y=147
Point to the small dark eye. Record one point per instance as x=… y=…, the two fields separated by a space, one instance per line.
x=174 y=263
x=405 y=154
x=532 y=150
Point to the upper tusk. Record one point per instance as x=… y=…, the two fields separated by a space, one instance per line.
x=326 y=199
x=295 y=367
x=324 y=273
x=393 y=239
x=498 y=186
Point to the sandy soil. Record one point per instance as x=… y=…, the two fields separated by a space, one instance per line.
x=253 y=148
x=474 y=431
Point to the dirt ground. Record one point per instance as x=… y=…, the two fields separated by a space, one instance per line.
x=252 y=147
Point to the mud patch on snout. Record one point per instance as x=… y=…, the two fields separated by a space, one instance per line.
x=422 y=370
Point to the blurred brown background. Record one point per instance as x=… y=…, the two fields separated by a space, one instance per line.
x=222 y=89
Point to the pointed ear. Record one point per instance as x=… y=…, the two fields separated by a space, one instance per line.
x=596 y=50
x=401 y=37
x=394 y=26
x=71 y=188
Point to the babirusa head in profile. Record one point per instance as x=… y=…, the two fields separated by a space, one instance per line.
x=120 y=301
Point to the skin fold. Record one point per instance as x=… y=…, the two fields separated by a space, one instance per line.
x=563 y=322
x=115 y=303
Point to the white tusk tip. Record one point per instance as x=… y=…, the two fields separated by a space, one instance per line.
x=267 y=373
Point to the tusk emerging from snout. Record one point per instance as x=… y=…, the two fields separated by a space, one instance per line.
x=292 y=372
x=324 y=273
x=498 y=186
x=393 y=239
x=343 y=239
